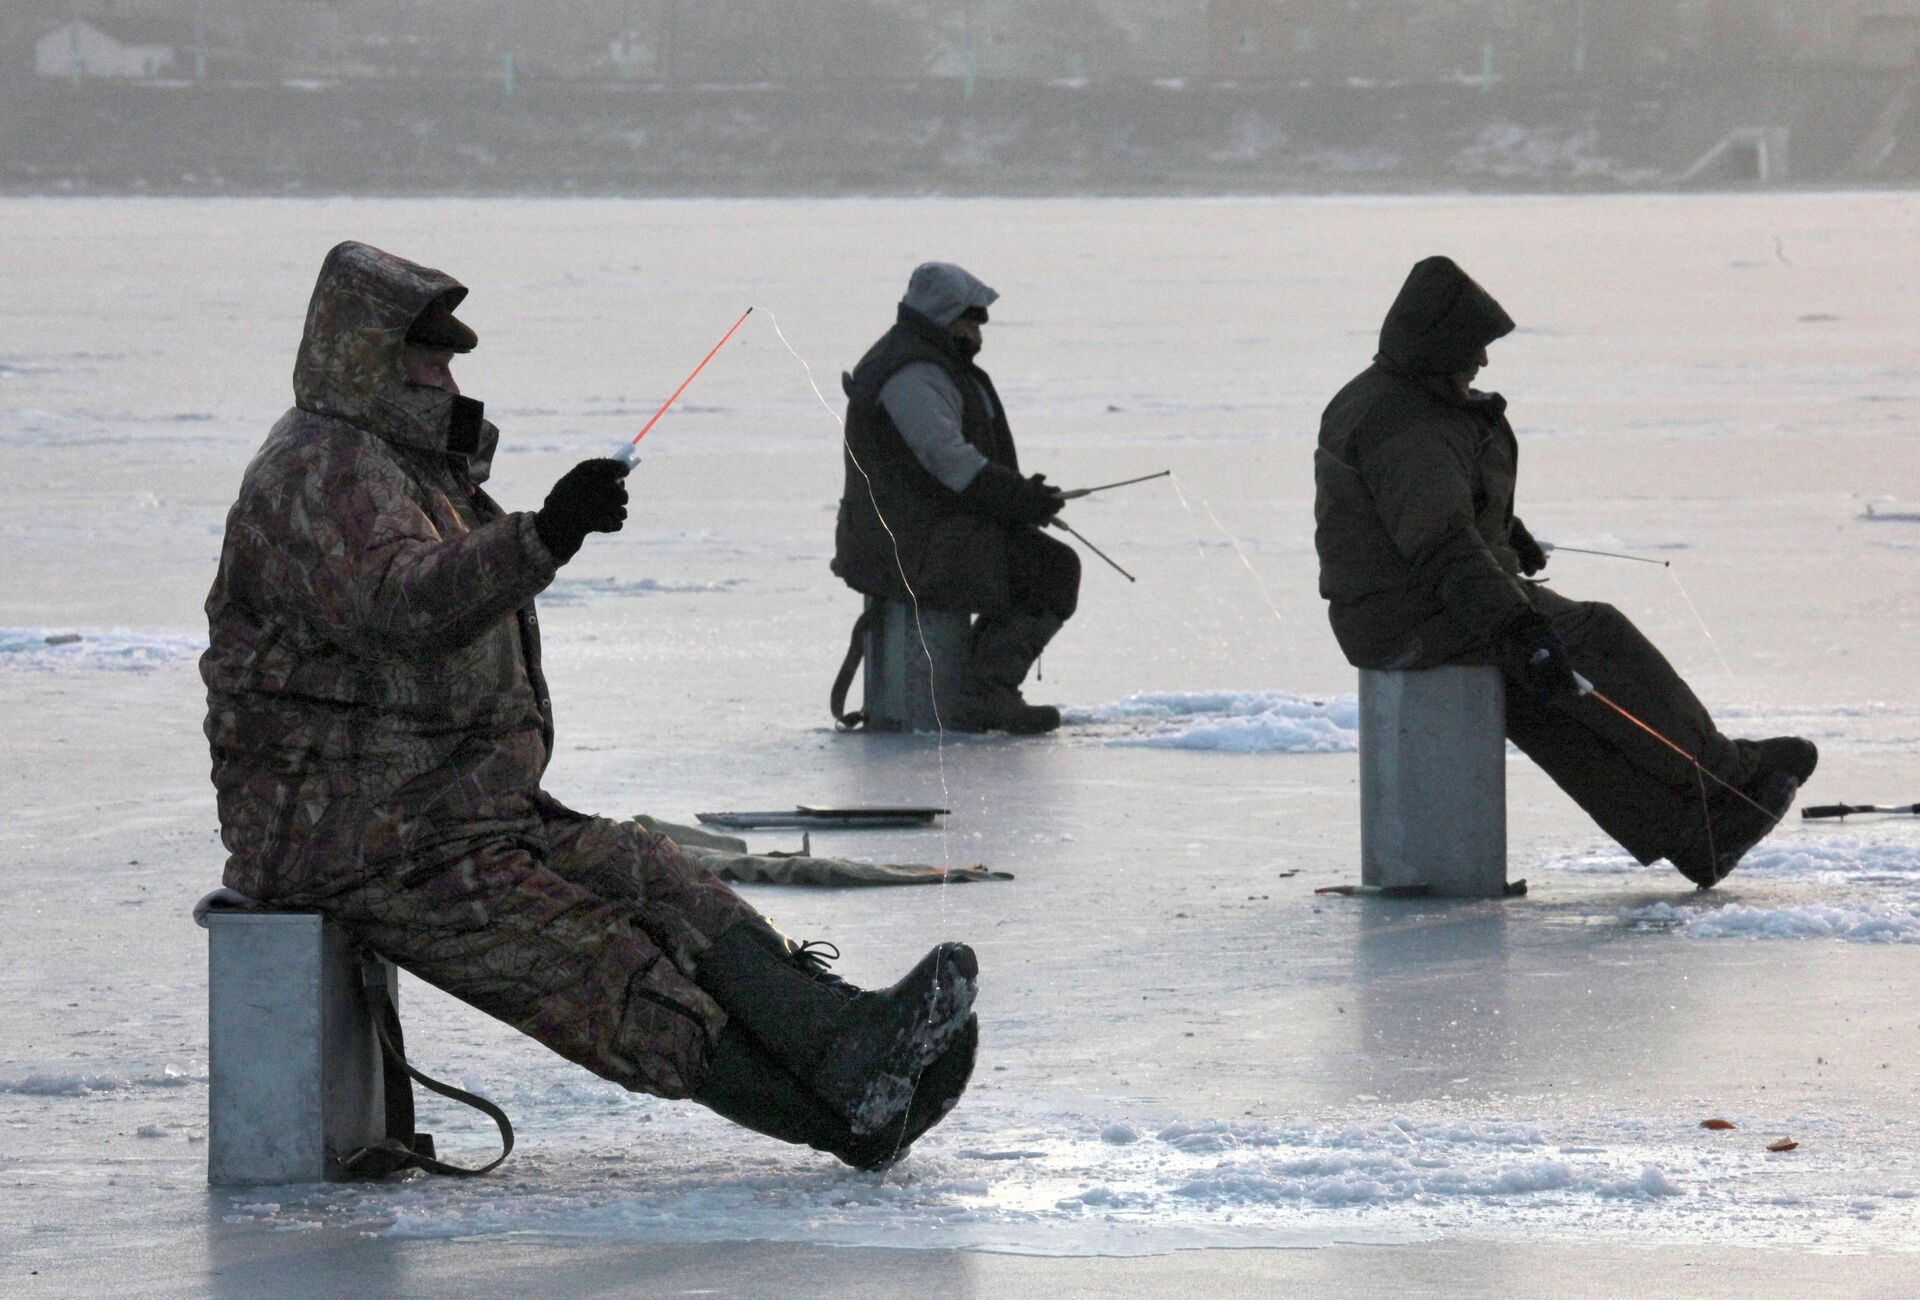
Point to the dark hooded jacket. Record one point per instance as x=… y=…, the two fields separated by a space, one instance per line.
x=373 y=676
x=899 y=524
x=1414 y=484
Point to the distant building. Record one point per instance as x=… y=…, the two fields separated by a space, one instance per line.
x=1889 y=36
x=1260 y=38
x=115 y=49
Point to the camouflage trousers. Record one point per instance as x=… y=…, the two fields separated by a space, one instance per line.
x=1648 y=798
x=579 y=931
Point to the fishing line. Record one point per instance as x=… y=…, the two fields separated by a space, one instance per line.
x=1706 y=812
x=1193 y=526
x=1235 y=543
x=1724 y=665
x=940 y=726
x=1551 y=548
x=1701 y=775
x=939 y=721
x=1698 y=766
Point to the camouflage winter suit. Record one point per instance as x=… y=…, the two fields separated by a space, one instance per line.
x=380 y=724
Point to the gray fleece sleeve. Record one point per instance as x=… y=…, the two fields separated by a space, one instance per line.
x=926 y=408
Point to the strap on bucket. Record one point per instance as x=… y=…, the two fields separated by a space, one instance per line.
x=856 y=651
x=394 y=1153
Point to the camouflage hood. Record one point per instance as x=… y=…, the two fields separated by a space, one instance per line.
x=352 y=364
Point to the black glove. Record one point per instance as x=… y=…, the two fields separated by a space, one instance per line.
x=999 y=493
x=1532 y=558
x=1538 y=656
x=589 y=498
x=1043 y=498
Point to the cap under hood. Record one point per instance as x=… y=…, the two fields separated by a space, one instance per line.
x=941 y=291
x=352 y=362
x=1441 y=320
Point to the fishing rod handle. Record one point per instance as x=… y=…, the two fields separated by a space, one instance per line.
x=1581 y=686
x=1821 y=810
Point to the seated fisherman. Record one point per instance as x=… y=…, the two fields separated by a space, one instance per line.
x=1422 y=563
x=935 y=508
x=379 y=725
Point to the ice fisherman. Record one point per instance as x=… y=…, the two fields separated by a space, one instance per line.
x=935 y=508
x=379 y=726
x=1423 y=562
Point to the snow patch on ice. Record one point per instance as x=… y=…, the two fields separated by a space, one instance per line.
x=1233 y=722
x=1867 y=725
x=1800 y=921
x=53 y=1083
x=1883 y=856
x=1385 y=1177
x=1597 y=862
x=64 y=1085
x=1877 y=857
x=95 y=649
x=1653 y=1181
x=1861 y=888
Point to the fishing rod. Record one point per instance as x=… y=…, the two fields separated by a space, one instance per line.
x=1698 y=766
x=1064 y=526
x=1819 y=811
x=1585 y=689
x=1077 y=493
x=1548 y=548
x=629 y=453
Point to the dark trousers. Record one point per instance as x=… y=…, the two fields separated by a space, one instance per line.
x=1043 y=574
x=1639 y=791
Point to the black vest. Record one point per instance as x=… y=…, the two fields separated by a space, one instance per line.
x=951 y=557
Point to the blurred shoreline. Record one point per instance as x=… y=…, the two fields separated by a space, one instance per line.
x=1802 y=128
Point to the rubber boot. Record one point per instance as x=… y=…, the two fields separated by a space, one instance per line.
x=1789 y=754
x=939 y=1086
x=1004 y=647
x=1738 y=824
x=859 y=1051
x=811 y=958
x=935 y=1093
x=747 y=1086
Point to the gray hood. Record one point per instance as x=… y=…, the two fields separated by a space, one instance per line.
x=940 y=291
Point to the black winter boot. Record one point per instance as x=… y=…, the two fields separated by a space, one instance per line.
x=1789 y=754
x=859 y=1051
x=1738 y=824
x=1004 y=648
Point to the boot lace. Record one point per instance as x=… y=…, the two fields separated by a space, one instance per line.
x=813 y=957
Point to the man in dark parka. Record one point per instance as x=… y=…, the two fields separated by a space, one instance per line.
x=1423 y=562
x=935 y=509
x=379 y=726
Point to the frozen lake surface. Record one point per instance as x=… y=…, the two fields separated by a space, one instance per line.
x=1183 y=1046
